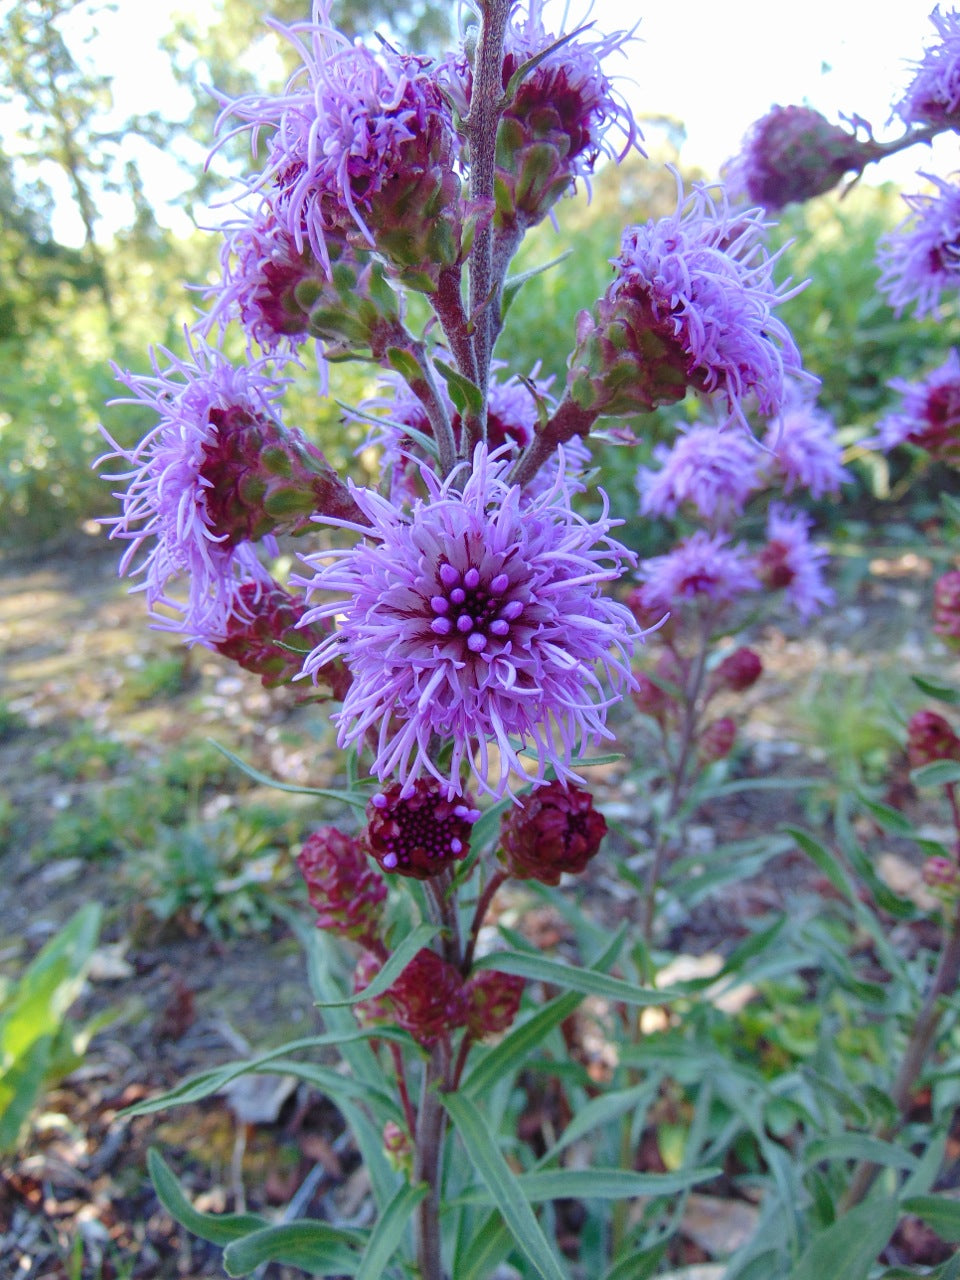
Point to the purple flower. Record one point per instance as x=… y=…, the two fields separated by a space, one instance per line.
x=792 y=153
x=691 y=306
x=476 y=617
x=921 y=257
x=792 y=563
x=702 y=565
x=934 y=93
x=804 y=450
x=713 y=469
x=171 y=504
x=929 y=413
x=361 y=142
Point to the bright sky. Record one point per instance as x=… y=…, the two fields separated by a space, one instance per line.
x=716 y=67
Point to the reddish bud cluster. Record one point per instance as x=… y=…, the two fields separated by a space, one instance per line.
x=941 y=874
x=493 y=1001
x=717 y=739
x=946 y=607
x=264 y=636
x=553 y=830
x=345 y=892
x=930 y=738
x=419 y=834
x=739 y=670
x=429 y=999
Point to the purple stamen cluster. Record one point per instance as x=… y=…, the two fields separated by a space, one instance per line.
x=929 y=413
x=920 y=259
x=417 y=832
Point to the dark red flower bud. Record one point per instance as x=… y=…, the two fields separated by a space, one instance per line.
x=554 y=829
x=942 y=874
x=344 y=890
x=929 y=738
x=650 y=698
x=263 y=636
x=420 y=834
x=773 y=565
x=493 y=1002
x=739 y=670
x=716 y=741
x=398 y=1147
x=795 y=153
x=946 y=607
x=428 y=999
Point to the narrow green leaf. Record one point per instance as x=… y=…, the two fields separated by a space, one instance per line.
x=273 y=1063
x=923 y=1177
x=598 y=1184
x=218 y=1228
x=466 y=395
x=586 y=981
x=937 y=689
x=388 y=1233
x=602 y=1110
x=850 y=1246
x=515 y=1047
x=314 y=1246
x=937 y=774
x=889 y=819
x=345 y=797
x=514 y=284
x=824 y=859
x=938 y=1212
x=640 y=1265
x=393 y=968
x=503 y=1185
x=859 y=1146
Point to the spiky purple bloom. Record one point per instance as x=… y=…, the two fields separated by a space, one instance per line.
x=359 y=142
x=792 y=563
x=929 y=413
x=169 y=503
x=702 y=565
x=476 y=617
x=920 y=259
x=691 y=306
x=792 y=153
x=933 y=96
x=804 y=451
x=714 y=470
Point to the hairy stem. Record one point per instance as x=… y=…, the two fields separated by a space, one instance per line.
x=568 y=421
x=918 y=1049
x=486 y=106
x=679 y=780
x=428 y=1148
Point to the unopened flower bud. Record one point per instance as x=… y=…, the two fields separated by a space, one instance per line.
x=946 y=608
x=930 y=738
x=739 y=670
x=344 y=890
x=554 y=829
x=650 y=698
x=493 y=1002
x=774 y=565
x=261 y=478
x=419 y=834
x=264 y=636
x=941 y=873
x=428 y=999
x=398 y=1147
x=794 y=153
x=716 y=741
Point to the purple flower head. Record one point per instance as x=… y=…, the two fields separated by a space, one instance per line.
x=171 y=504
x=702 y=565
x=476 y=617
x=691 y=306
x=933 y=96
x=714 y=470
x=792 y=153
x=361 y=142
x=929 y=413
x=792 y=563
x=804 y=451
x=921 y=258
